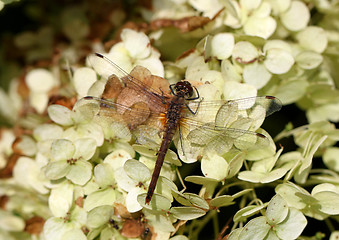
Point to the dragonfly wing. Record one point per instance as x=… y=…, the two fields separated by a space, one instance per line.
x=141 y=84
x=221 y=139
x=117 y=117
x=225 y=112
x=268 y=103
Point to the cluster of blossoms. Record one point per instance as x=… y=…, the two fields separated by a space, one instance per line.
x=69 y=173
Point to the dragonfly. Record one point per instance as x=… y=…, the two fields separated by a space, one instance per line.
x=140 y=100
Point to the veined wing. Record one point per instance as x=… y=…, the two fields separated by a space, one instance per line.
x=219 y=125
x=106 y=68
x=223 y=112
x=209 y=137
x=124 y=119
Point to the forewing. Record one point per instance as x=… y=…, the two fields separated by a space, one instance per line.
x=225 y=112
x=219 y=125
x=106 y=68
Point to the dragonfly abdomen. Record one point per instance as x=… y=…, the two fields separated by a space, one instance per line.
x=172 y=122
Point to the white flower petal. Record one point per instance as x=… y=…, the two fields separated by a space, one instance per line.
x=39 y=101
x=234 y=90
x=84 y=148
x=256 y=74
x=222 y=45
x=83 y=79
x=296 y=17
x=60 y=114
x=131 y=199
x=137 y=43
x=80 y=173
x=60 y=199
x=40 y=80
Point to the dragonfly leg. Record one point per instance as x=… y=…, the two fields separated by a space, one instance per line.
x=171 y=87
x=196 y=110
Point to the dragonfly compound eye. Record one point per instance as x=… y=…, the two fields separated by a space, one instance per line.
x=184 y=87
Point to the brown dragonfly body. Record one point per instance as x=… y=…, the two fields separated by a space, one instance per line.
x=173 y=117
x=176 y=111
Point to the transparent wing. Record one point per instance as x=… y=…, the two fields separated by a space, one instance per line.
x=219 y=125
x=106 y=68
x=220 y=140
x=268 y=104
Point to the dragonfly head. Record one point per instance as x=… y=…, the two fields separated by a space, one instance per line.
x=184 y=88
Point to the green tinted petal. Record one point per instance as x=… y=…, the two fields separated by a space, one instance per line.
x=39 y=101
x=190 y=199
x=137 y=171
x=123 y=180
x=234 y=90
x=292 y=226
x=187 y=213
x=257 y=228
x=84 y=148
x=60 y=114
x=277 y=210
x=278 y=61
x=247 y=212
x=27 y=172
x=214 y=166
x=137 y=43
x=159 y=221
x=331 y=158
x=308 y=59
x=279 y=6
x=277 y=44
x=80 y=173
x=57 y=170
x=313 y=38
x=179 y=237
x=291 y=91
x=26 y=146
x=222 y=201
x=329 y=202
x=99 y=216
x=91 y=131
x=334 y=235
x=55 y=228
x=251 y=176
x=117 y=158
x=74 y=234
x=100 y=198
x=256 y=75
x=158 y=202
x=292 y=194
x=104 y=175
x=62 y=149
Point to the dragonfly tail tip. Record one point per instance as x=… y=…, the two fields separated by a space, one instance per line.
x=99 y=55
